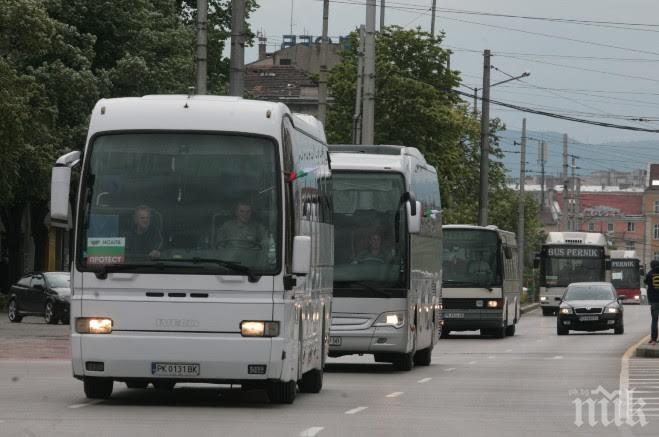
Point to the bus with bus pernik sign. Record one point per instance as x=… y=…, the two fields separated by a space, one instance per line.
x=627 y=275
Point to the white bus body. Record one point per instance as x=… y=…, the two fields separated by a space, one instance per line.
x=229 y=296
x=627 y=275
x=481 y=288
x=387 y=256
x=568 y=257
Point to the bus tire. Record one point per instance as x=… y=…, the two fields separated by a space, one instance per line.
x=404 y=362
x=547 y=312
x=423 y=357
x=499 y=332
x=281 y=392
x=510 y=330
x=312 y=381
x=137 y=384
x=98 y=388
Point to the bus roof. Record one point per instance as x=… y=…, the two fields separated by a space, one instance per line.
x=622 y=254
x=375 y=157
x=198 y=113
x=588 y=238
x=508 y=237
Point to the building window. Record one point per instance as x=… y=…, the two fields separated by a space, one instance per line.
x=630 y=245
x=656 y=206
x=631 y=226
x=655 y=232
x=656 y=256
x=284 y=62
x=591 y=227
x=610 y=227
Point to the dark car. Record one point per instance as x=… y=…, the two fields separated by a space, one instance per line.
x=44 y=294
x=590 y=306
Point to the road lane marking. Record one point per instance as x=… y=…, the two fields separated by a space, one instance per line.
x=86 y=404
x=558 y=357
x=356 y=410
x=624 y=377
x=311 y=432
x=450 y=369
x=472 y=362
x=509 y=350
x=490 y=357
x=394 y=394
x=421 y=381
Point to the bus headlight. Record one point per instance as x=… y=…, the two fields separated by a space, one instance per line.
x=637 y=297
x=495 y=303
x=395 y=319
x=543 y=298
x=93 y=325
x=249 y=328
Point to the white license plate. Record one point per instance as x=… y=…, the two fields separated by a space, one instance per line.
x=454 y=315
x=335 y=341
x=175 y=369
x=589 y=318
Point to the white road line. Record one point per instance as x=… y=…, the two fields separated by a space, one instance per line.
x=356 y=410
x=394 y=394
x=86 y=404
x=509 y=350
x=490 y=357
x=311 y=432
x=624 y=377
x=471 y=362
x=421 y=381
x=558 y=357
x=450 y=369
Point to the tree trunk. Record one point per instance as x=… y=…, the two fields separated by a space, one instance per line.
x=11 y=218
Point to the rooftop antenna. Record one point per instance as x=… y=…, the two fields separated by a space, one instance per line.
x=292 y=1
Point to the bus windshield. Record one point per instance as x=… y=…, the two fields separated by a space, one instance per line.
x=567 y=264
x=470 y=258
x=181 y=201
x=625 y=273
x=369 y=229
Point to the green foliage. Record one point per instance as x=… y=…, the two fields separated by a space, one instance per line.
x=415 y=106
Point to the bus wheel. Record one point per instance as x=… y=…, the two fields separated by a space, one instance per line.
x=510 y=330
x=404 y=362
x=547 y=312
x=312 y=381
x=282 y=392
x=445 y=333
x=98 y=388
x=136 y=384
x=499 y=332
x=423 y=357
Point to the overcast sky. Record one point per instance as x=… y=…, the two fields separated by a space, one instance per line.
x=631 y=87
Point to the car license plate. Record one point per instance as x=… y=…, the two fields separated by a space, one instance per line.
x=454 y=315
x=175 y=369
x=588 y=318
x=335 y=341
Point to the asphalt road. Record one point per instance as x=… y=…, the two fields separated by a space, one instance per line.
x=519 y=385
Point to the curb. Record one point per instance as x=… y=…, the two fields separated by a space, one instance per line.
x=647 y=351
x=530 y=307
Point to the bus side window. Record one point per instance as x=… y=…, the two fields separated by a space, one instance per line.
x=289 y=219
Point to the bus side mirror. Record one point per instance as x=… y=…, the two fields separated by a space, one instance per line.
x=301 y=255
x=60 y=187
x=536 y=261
x=607 y=263
x=508 y=252
x=413 y=217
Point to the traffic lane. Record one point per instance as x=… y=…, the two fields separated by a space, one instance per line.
x=33 y=339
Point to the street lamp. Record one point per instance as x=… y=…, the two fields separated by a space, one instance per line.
x=485 y=131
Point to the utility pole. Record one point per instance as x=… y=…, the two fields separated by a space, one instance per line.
x=485 y=146
x=432 y=18
x=237 y=71
x=577 y=203
x=202 y=46
x=368 y=115
x=382 y=9
x=521 y=241
x=322 y=79
x=357 y=117
x=574 y=191
x=475 y=102
x=543 y=146
x=565 y=183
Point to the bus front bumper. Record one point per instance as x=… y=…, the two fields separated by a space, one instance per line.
x=472 y=319
x=201 y=357
x=373 y=340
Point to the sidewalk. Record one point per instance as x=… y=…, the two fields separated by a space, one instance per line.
x=647 y=351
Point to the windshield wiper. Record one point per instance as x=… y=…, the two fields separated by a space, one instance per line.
x=376 y=290
x=102 y=272
x=466 y=283
x=231 y=265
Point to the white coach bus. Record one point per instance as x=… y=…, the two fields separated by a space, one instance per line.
x=481 y=287
x=387 y=269
x=203 y=246
x=568 y=257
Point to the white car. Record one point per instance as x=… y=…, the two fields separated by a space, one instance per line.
x=644 y=296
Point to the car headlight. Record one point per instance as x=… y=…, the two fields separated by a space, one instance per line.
x=93 y=325
x=543 y=298
x=566 y=310
x=612 y=310
x=395 y=319
x=250 y=328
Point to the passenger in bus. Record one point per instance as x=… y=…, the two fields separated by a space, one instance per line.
x=145 y=238
x=479 y=267
x=375 y=252
x=241 y=233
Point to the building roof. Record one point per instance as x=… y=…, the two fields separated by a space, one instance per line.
x=608 y=204
x=277 y=82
